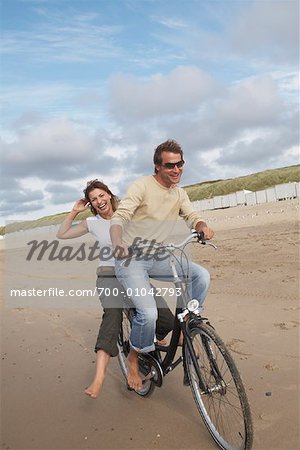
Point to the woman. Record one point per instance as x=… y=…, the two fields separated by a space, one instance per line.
x=103 y=203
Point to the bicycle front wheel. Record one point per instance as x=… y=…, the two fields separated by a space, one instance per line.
x=124 y=348
x=222 y=401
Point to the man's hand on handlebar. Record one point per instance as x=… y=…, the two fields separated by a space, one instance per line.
x=207 y=232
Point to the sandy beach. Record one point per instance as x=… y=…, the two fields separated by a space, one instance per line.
x=47 y=353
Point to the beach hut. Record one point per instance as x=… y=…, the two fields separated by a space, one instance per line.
x=271 y=194
x=206 y=204
x=196 y=205
x=201 y=205
x=210 y=203
x=232 y=199
x=225 y=201
x=285 y=191
x=261 y=196
x=241 y=196
x=250 y=198
x=217 y=200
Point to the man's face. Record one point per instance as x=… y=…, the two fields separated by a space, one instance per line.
x=168 y=173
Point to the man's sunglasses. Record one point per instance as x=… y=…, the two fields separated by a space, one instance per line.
x=170 y=165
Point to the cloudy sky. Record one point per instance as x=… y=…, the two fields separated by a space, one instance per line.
x=90 y=87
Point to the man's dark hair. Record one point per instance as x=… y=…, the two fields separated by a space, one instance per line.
x=168 y=146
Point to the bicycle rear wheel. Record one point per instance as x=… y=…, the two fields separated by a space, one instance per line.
x=124 y=348
x=223 y=403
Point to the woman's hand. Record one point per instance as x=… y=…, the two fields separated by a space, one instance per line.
x=80 y=206
x=69 y=231
x=120 y=251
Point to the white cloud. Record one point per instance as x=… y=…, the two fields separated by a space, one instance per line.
x=251 y=102
x=182 y=89
x=268 y=27
x=247 y=105
x=58 y=140
x=16 y=199
x=57 y=149
x=171 y=22
x=61 y=193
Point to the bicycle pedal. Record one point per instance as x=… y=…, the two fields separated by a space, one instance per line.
x=162 y=348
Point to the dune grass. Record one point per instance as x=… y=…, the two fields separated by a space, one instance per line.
x=253 y=182
x=41 y=222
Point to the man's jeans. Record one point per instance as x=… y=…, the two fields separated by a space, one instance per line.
x=135 y=279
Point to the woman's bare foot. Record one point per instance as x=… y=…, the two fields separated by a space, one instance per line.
x=94 y=389
x=101 y=365
x=134 y=379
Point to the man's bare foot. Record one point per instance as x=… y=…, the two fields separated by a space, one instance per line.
x=134 y=379
x=101 y=365
x=162 y=342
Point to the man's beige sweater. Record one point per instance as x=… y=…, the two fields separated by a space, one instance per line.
x=150 y=210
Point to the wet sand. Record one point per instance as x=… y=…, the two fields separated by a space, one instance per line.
x=48 y=359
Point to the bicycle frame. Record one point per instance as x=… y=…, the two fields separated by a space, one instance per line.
x=167 y=364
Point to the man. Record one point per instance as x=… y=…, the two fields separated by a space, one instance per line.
x=149 y=211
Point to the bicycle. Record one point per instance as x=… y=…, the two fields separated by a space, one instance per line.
x=213 y=377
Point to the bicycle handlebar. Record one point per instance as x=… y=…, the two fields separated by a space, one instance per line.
x=171 y=246
x=194 y=234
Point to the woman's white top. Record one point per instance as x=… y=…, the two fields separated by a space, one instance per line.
x=99 y=228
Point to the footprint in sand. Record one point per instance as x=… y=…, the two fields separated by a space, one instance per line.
x=287 y=325
x=266 y=420
x=288 y=279
x=271 y=367
x=234 y=344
